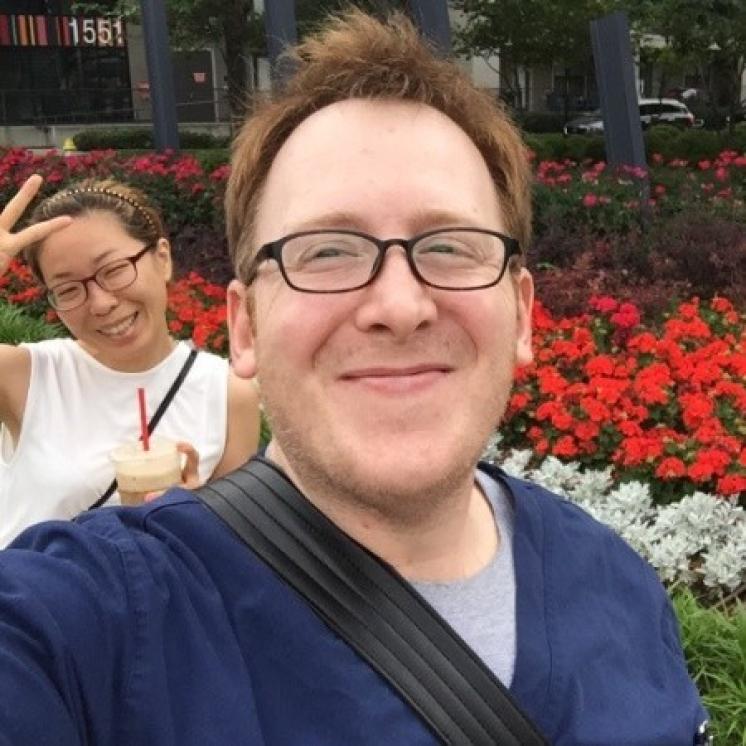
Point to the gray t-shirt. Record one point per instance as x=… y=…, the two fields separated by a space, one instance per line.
x=482 y=608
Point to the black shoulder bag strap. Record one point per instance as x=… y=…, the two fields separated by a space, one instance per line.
x=371 y=607
x=156 y=418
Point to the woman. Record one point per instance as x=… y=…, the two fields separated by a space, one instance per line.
x=100 y=251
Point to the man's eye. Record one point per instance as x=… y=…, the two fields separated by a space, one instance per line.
x=448 y=249
x=442 y=248
x=326 y=254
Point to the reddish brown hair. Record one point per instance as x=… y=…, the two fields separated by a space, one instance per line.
x=358 y=56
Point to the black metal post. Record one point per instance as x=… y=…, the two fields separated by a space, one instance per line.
x=281 y=30
x=431 y=17
x=160 y=75
x=615 y=74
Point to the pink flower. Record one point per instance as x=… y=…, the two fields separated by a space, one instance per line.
x=590 y=200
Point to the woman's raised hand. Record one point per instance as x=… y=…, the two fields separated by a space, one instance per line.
x=11 y=244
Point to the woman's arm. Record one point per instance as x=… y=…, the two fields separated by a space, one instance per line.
x=15 y=375
x=15 y=362
x=243 y=425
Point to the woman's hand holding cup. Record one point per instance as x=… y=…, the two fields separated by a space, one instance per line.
x=189 y=473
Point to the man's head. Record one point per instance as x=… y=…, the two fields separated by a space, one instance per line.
x=359 y=57
x=384 y=394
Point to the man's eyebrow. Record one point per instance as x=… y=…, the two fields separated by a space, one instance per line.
x=101 y=259
x=421 y=220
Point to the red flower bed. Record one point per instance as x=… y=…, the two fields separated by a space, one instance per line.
x=666 y=406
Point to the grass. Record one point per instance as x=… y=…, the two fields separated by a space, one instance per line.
x=16 y=327
x=715 y=647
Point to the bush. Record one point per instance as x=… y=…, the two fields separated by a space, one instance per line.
x=540 y=121
x=701 y=247
x=212 y=158
x=140 y=138
x=670 y=142
x=715 y=648
x=557 y=147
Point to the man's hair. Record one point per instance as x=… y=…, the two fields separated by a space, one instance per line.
x=131 y=207
x=356 y=56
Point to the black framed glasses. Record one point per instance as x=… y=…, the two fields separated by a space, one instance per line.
x=112 y=276
x=338 y=261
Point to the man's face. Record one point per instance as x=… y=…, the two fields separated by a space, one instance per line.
x=384 y=394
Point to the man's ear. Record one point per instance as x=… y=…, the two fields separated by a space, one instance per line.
x=163 y=255
x=524 y=286
x=240 y=331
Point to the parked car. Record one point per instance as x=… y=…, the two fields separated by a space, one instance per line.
x=652 y=111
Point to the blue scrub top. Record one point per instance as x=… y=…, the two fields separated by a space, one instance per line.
x=156 y=625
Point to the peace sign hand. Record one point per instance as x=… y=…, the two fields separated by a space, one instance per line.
x=11 y=244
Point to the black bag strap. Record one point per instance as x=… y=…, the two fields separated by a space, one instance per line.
x=371 y=607
x=156 y=418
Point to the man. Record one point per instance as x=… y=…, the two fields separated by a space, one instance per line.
x=376 y=211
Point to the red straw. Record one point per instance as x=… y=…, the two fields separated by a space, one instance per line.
x=143 y=420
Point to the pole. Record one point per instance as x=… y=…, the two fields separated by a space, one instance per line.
x=281 y=30
x=160 y=75
x=431 y=17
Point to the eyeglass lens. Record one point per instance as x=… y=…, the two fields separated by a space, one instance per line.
x=111 y=277
x=339 y=261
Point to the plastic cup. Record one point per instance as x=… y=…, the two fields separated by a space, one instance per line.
x=139 y=472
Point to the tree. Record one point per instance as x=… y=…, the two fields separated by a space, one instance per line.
x=528 y=32
x=706 y=35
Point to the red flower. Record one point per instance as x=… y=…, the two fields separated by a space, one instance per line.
x=670 y=468
x=604 y=304
x=565 y=446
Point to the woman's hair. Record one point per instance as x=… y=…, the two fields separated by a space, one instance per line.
x=135 y=213
x=356 y=56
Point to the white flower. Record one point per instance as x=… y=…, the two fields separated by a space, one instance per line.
x=699 y=540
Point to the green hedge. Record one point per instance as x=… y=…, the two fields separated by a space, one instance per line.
x=541 y=121
x=670 y=142
x=137 y=138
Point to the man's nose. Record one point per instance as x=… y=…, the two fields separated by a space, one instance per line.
x=396 y=300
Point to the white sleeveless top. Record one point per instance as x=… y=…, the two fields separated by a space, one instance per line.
x=78 y=410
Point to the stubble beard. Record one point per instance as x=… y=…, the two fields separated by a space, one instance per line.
x=331 y=479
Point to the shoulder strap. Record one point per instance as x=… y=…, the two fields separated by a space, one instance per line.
x=156 y=418
x=371 y=607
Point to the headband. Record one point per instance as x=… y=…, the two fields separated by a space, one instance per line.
x=108 y=193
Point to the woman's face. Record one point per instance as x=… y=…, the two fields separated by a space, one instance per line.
x=126 y=329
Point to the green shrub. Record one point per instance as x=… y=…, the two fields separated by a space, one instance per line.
x=692 y=145
x=540 y=121
x=141 y=138
x=211 y=158
x=664 y=140
x=715 y=648
x=556 y=147
x=16 y=326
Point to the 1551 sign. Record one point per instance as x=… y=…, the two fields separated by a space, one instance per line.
x=61 y=31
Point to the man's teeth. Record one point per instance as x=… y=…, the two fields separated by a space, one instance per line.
x=120 y=328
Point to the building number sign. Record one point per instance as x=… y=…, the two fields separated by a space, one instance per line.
x=61 y=31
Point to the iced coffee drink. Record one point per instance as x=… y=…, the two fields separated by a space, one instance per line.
x=139 y=472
